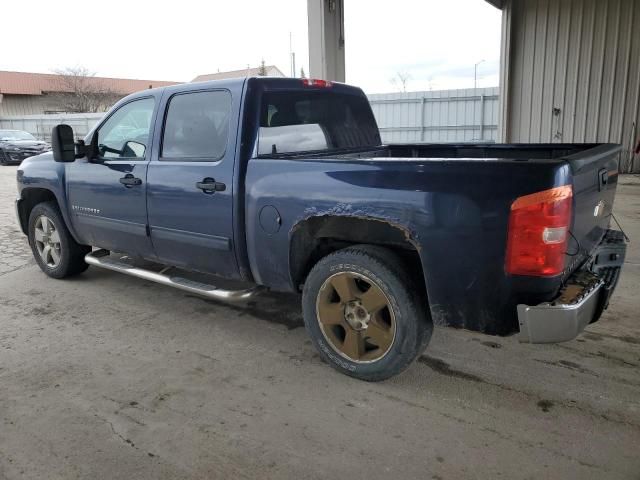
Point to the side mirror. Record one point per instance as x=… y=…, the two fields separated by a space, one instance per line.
x=133 y=149
x=63 y=144
x=90 y=150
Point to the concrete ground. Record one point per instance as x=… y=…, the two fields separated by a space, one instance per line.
x=107 y=376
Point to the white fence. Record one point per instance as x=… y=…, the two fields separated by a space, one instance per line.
x=469 y=115
x=439 y=116
x=40 y=125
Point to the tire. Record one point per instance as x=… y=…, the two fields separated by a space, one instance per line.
x=65 y=256
x=374 y=343
x=3 y=158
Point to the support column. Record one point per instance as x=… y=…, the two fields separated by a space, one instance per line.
x=504 y=117
x=326 y=39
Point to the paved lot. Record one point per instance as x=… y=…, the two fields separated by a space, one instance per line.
x=14 y=251
x=107 y=376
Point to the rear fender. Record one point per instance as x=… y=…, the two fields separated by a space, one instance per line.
x=320 y=232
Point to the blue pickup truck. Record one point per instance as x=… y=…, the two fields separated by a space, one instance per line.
x=227 y=188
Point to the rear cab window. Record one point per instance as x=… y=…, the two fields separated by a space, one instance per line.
x=315 y=121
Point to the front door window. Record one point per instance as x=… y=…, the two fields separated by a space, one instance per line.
x=125 y=135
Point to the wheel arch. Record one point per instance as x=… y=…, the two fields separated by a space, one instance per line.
x=315 y=237
x=32 y=196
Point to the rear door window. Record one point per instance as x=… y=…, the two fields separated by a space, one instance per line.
x=197 y=126
x=293 y=122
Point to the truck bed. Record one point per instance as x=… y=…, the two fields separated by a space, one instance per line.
x=454 y=202
x=593 y=174
x=468 y=151
x=522 y=152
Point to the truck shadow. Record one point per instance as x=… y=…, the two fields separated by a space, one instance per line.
x=273 y=307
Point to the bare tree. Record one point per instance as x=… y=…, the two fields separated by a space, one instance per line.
x=262 y=70
x=82 y=92
x=302 y=74
x=400 y=80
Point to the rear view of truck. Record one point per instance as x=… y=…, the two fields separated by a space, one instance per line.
x=387 y=241
x=564 y=232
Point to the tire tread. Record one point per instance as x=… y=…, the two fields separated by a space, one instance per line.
x=73 y=254
x=387 y=264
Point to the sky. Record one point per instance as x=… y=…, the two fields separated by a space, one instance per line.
x=435 y=43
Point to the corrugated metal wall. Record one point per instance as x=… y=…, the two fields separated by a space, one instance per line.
x=17 y=105
x=439 y=116
x=12 y=105
x=436 y=116
x=573 y=72
x=40 y=125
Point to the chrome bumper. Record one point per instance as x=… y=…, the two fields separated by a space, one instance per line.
x=554 y=323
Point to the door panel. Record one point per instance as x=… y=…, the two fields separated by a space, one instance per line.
x=105 y=213
x=192 y=225
x=108 y=195
x=190 y=228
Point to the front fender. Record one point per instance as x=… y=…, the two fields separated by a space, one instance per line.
x=37 y=175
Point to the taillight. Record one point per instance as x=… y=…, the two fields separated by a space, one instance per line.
x=314 y=82
x=538 y=229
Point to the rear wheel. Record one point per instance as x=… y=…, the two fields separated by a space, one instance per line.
x=364 y=314
x=54 y=249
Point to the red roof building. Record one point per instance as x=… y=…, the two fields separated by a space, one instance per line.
x=24 y=93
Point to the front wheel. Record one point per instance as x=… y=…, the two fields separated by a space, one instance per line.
x=54 y=249
x=364 y=313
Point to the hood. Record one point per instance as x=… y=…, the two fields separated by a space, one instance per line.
x=43 y=157
x=24 y=144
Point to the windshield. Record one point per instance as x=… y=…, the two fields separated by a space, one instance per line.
x=11 y=135
x=293 y=122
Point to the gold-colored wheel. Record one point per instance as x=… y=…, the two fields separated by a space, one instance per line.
x=356 y=317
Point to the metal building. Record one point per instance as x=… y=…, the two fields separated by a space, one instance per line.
x=467 y=115
x=570 y=72
x=570 y=69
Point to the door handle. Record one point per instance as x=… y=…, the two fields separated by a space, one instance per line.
x=209 y=185
x=129 y=180
x=603 y=179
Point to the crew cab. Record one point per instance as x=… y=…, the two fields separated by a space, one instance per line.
x=231 y=187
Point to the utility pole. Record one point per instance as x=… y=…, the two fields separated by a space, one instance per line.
x=292 y=56
x=475 y=74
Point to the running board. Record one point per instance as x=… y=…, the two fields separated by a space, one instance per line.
x=102 y=258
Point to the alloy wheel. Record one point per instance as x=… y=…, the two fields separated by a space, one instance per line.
x=356 y=317
x=47 y=241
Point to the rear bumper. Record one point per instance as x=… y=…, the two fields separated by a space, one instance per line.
x=553 y=323
x=581 y=301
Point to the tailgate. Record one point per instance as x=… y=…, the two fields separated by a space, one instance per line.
x=595 y=178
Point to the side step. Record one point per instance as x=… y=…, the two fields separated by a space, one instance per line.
x=103 y=259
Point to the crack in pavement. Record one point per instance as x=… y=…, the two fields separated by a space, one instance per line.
x=121 y=437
